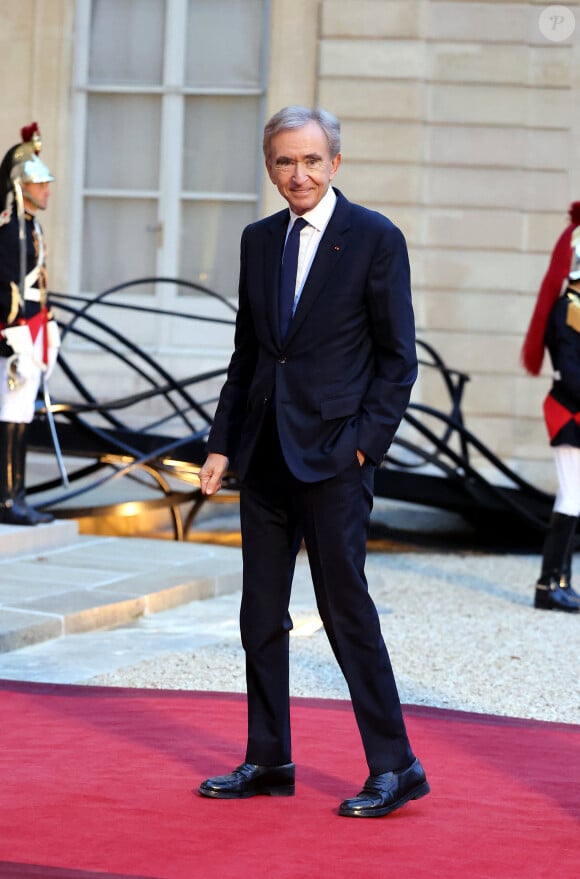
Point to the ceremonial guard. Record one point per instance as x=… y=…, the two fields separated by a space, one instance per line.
x=555 y=326
x=29 y=336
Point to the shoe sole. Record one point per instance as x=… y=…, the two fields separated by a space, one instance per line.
x=421 y=791
x=282 y=790
x=569 y=609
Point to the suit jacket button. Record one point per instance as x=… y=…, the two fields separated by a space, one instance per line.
x=282 y=359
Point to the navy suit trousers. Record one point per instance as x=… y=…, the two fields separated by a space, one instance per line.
x=332 y=517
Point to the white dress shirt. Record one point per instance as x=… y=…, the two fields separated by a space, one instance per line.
x=310 y=236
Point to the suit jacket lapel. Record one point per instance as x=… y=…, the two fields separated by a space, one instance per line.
x=274 y=247
x=330 y=250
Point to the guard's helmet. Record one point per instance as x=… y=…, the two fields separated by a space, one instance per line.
x=27 y=167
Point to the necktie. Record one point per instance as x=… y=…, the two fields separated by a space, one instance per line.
x=288 y=275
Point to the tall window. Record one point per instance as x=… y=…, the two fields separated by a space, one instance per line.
x=169 y=107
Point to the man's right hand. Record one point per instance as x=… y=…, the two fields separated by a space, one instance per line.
x=210 y=475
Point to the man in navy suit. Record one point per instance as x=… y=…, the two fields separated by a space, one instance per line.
x=311 y=403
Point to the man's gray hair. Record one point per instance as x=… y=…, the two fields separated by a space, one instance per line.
x=298 y=117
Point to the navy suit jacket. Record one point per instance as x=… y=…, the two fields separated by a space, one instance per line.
x=342 y=378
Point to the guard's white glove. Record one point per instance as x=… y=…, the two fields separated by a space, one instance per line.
x=53 y=336
x=53 y=331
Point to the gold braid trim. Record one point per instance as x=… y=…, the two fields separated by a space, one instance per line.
x=42 y=276
x=573 y=314
x=42 y=285
x=14 y=304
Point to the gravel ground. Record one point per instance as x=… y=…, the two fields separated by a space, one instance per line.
x=460 y=627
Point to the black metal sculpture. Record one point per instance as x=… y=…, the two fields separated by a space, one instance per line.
x=153 y=459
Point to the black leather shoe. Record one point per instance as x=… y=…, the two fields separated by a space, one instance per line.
x=571 y=593
x=20 y=513
x=566 y=584
x=249 y=780
x=552 y=596
x=384 y=793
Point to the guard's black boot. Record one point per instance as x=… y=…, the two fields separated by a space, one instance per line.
x=566 y=575
x=550 y=594
x=13 y=507
x=34 y=516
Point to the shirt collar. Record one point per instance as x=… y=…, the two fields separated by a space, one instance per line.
x=321 y=214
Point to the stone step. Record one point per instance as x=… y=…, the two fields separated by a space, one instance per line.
x=103 y=582
x=18 y=540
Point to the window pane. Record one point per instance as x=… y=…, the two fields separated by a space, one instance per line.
x=224 y=43
x=120 y=241
x=123 y=142
x=221 y=149
x=127 y=42
x=210 y=244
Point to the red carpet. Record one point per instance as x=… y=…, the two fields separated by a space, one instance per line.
x=96 y=782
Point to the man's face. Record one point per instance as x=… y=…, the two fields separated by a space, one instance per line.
x=300 y=166
x=35 y=196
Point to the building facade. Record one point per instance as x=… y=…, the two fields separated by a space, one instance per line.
x=461 y=122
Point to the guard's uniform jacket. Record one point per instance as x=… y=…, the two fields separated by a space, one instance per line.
x=12 y=310
x=562 y=339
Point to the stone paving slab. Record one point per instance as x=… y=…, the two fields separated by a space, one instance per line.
x=103 y=582
x=55 y=574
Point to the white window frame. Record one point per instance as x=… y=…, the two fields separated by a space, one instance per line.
x=169 y=197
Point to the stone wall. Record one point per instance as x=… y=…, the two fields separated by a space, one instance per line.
x=460 y=122
x=36 y=57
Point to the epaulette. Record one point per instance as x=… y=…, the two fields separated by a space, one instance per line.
x=573 y=310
